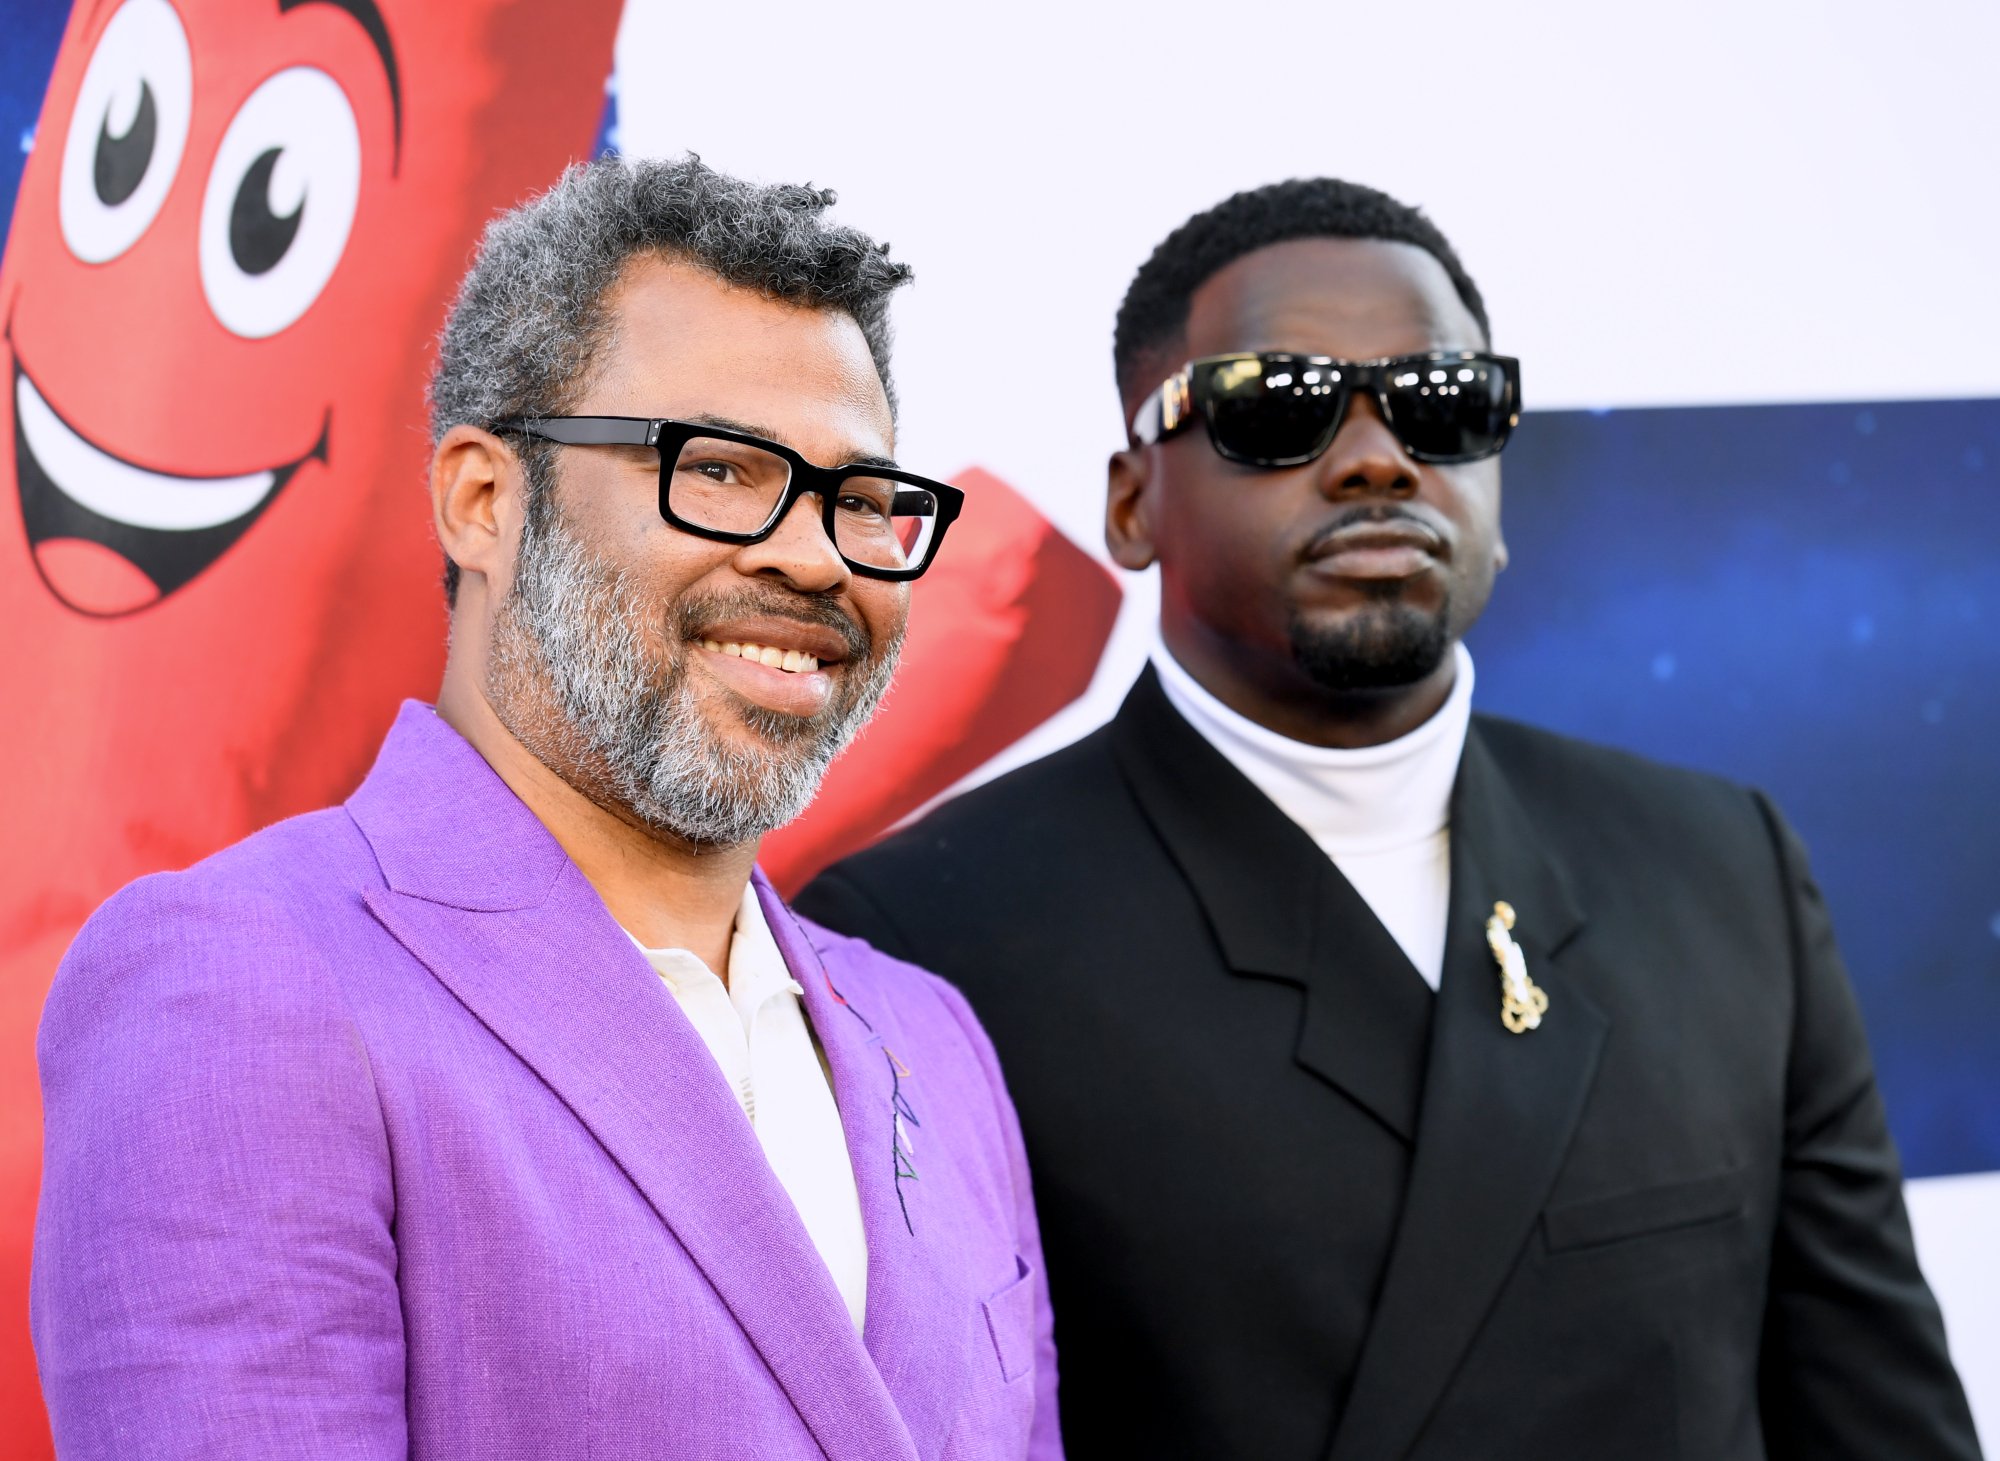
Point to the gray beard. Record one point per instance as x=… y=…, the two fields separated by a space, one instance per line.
x=618 y=719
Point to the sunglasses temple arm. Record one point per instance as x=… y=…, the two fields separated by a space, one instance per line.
x=1167 y=409
x=1146 y=420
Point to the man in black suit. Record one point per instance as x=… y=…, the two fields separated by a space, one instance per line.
x=1400 y=1082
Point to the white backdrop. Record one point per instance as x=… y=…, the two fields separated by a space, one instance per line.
x=1700 y=204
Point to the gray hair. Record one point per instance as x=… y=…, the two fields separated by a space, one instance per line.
x=529 y=319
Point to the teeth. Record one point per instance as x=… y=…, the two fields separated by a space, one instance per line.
x=791 y=660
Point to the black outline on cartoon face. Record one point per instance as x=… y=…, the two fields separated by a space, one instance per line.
x=88 y=507
x=169 y=557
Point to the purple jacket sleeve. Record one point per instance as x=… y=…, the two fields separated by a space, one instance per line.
x=214 y=1271
x=1045 y=1440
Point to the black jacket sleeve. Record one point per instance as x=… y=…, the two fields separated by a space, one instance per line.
x=1854 y=1362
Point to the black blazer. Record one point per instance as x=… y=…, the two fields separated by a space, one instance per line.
x=1294 y=1205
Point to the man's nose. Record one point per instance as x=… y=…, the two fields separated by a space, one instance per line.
x=798 y=551
x=1365 y=458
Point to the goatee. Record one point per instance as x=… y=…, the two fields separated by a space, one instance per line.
x=1385 y=647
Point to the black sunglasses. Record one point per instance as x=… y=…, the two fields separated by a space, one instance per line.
x=735 y=488
x=1277 y=410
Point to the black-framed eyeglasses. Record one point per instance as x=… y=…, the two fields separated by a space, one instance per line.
x=735 y=488
x=1272 y=409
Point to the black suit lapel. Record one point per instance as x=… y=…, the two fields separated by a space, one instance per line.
x=1281 y=910
x=1498 y=1113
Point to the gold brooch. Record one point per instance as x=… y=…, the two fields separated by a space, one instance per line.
x=1522 y=1003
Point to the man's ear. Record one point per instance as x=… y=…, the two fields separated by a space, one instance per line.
x=1129 y=507
x=476 y=501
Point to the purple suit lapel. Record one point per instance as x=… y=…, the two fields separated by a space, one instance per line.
x=486 y=899
x=874 y=1084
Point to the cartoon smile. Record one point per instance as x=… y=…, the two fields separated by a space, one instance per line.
x=111 y=537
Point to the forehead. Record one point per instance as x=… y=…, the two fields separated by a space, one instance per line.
x=1358 y=299
x=684 y=343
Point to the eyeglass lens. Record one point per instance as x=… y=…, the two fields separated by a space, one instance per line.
x=1282 y=410
x=732 y=487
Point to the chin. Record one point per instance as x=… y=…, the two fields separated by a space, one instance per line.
x=747 y=726
x=1384 y=648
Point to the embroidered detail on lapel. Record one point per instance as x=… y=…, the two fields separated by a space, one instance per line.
x=902 y=1116
x=900 y=1146
x=839 y=998
x=902 y=1155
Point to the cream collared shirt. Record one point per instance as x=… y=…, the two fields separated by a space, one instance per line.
x=1382 y=813
x=755 y=1027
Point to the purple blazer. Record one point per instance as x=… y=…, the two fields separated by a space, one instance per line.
x=373 y=1135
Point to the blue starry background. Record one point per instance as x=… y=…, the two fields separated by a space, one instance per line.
x=33 y=30
x=1801 y=598
x=1796 y=597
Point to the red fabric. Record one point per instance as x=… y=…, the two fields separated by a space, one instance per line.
x=142 y=731
x=1005 y=630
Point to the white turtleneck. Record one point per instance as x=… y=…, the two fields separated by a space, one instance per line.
x=1382 y=813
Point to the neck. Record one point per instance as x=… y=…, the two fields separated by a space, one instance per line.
x=1286 y=702
x=667 y=894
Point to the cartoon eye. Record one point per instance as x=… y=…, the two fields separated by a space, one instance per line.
x=280 y=202
x=127 y=132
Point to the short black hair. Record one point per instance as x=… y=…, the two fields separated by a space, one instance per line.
x=1154 y=314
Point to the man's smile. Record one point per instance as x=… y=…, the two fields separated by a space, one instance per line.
x=778 y=663
x=791 y=661
x=111 y=537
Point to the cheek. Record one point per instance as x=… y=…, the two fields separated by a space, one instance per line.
x=1228 y=538
x=1470 y=496
x=618 y=522
x=1481 y=553
x=883 y=608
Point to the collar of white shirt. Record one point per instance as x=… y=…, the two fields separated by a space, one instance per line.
x=756 y=968
x=1372 y=799
x=755 y=1027
x=1381 y=813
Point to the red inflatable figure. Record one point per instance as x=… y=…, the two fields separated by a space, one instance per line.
x=1006 y=629
x=234 y=241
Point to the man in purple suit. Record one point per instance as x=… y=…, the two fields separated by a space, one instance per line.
x=505 y=1111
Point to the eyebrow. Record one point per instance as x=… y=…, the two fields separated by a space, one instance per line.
x=747 y=428
x=369 y=17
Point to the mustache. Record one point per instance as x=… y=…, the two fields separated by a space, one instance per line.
x=1376 y=512
x=693 y=615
